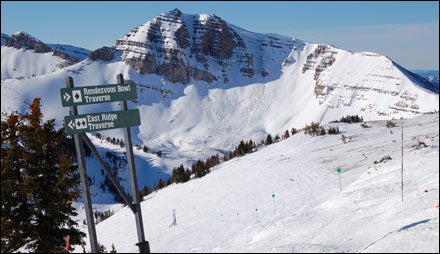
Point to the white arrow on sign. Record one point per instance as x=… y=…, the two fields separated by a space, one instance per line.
x=66 y=97
x=72 y=124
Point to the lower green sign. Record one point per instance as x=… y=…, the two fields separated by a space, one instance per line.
x=101 y=121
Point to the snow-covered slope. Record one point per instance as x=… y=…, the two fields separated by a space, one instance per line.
x=79 y=53
x=34 y=65
x=357 y=83
x=288 y=197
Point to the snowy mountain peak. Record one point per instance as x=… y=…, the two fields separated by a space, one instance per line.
x=174 y=13
x=24 y=40
x=23 y=55
x=185 y=47
x=24 y=34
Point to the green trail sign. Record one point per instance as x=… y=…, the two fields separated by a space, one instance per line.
x=97 y=94
x=101 y=121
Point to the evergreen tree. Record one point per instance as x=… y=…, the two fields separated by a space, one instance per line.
x=39 y=183
x=251 y=146
x=179 y=175
x=159 y=154
x=294 y=131
x=286 y=134
x=160 y=184
x=269 y=139
x=113 y=250
x=144 y=192
x=15 y=211
x=199 y=168
x=241 y=149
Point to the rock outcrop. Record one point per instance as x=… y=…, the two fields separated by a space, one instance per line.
x=104 y=54
x=23 y=40
x=183 y=47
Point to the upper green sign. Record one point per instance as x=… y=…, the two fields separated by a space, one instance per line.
x=97 y=94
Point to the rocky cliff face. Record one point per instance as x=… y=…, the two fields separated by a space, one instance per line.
x=23 y=40
x=104 y=54
x=365 y=80
x=182 y=47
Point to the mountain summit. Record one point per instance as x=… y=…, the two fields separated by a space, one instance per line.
x=24 y=40
x=23 y=55
x=204 y=47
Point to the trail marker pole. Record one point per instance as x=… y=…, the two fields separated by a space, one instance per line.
x=339 y=174
x=67 y=243
x=256 y=212
x=274 y=210
x=401 y=173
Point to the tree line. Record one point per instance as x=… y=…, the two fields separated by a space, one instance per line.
x=201 y=168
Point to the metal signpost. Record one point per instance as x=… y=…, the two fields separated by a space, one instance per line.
x=84 y=181
x=143 y=245
x=77 y=125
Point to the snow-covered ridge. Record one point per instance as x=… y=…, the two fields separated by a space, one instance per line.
x=24 y=34
x=24 y=56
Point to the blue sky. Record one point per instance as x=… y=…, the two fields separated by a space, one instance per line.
x=405 y=31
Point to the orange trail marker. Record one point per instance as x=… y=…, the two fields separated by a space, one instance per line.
x=67 y=243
